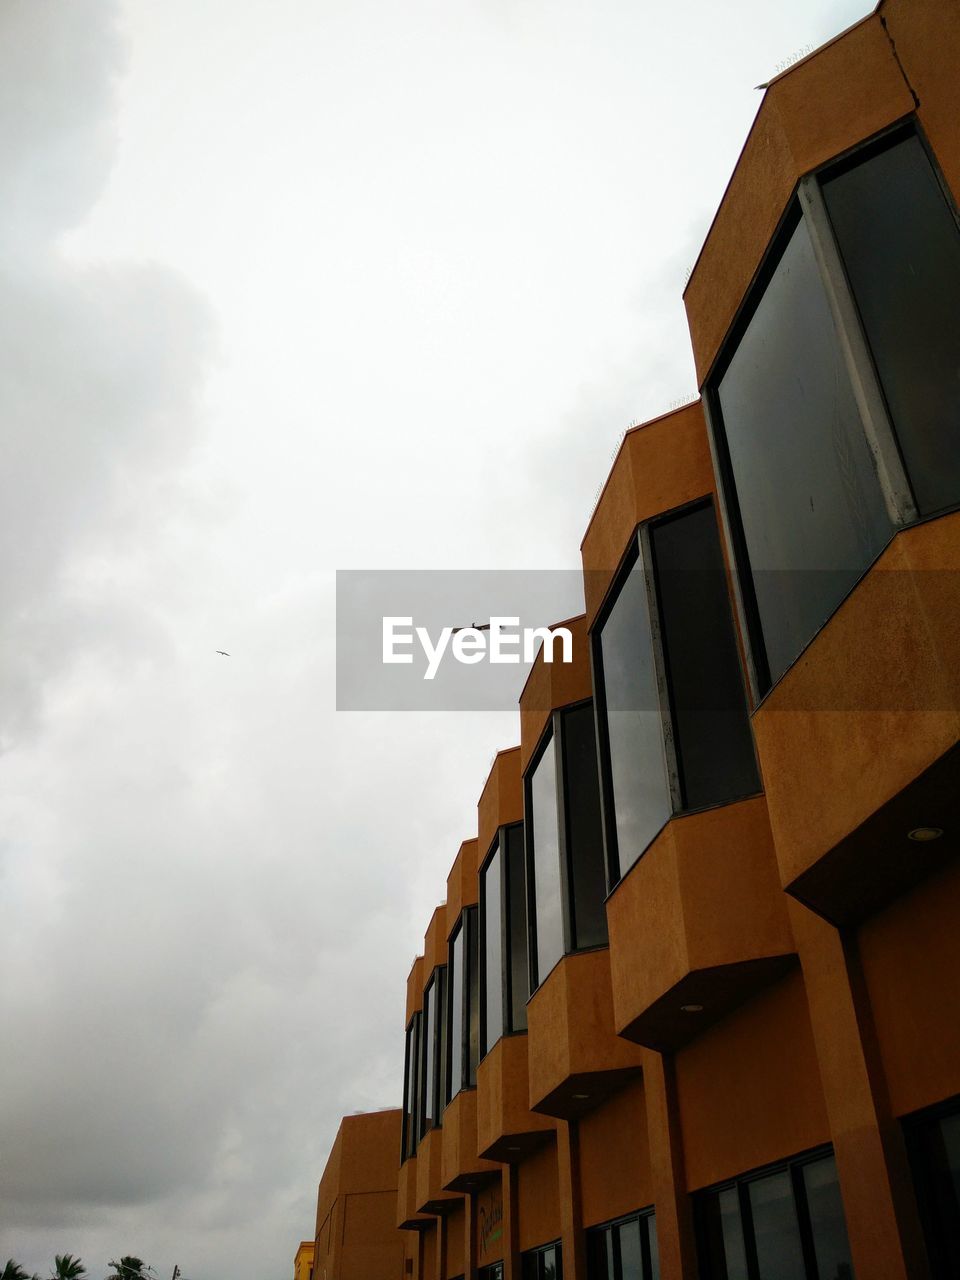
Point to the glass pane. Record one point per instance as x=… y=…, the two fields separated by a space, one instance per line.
x=712 y=731
x=809 y=499
x=775 y=1230
x=457 y=977
x=631 y=1258
x=631 y=716
x=654 y=1246
x=519 y=972
x=441 y=1055
x=827 y=1222
x=473 y=993
x=544 y=838
x=722 y=1235
x=429 y=1055
x=587 y=879
x=600 y=1254
x=901 y=248
x=411 y=1087
x=549 y=1259
x=492 y=951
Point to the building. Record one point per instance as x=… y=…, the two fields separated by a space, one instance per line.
x=691 y=1006
x=303 y=1261
x=356 y=1236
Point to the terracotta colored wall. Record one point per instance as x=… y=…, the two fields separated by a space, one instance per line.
x=749 y=1089
x=461 y=883
x=538 y=1199
x=910 y=956
x=455 y=1243
x=429 y=1237
x=661 y=464
x=614 y=1157
x=553 y=684
x=501 y=800
x=851 y=89
x=927 y=38
x=488 y=1223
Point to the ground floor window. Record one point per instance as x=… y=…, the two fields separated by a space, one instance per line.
x=544 y=1263
x=933 y=1139
x=625 y=1249
x=784 y=1222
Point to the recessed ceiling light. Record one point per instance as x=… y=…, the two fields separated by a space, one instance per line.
x=691 y=1008
x=923 y=835
x=580 y=1097
x=514 y=1148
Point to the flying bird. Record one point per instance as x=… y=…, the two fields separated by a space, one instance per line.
x=223 y=653
x=476 y=626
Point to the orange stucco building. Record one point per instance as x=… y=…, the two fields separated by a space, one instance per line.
x=691 y=1004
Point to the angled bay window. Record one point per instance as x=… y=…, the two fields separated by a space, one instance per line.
x=835 y=404
x=463 y=1012
x=625 y=1249
x=785 y=1221
x=503 y=927
x=672 y=715
x=433 y=1050
x=566 y=885
x=410 y=1126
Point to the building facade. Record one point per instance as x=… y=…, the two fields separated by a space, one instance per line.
x=691 y=1006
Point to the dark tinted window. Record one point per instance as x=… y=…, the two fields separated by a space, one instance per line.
x=491 y=918
x=518 y=969
x=624 y=1250
x=457 y=972
x=431 y=1052
x=543 y=835
x=542 y=1264
x=755 y=1228
x=411 y=1072
x=935 y=1156
x=827 y=1223
x=586 y=880
x=712 y=735
x=901 y=249
x=808 y=496
x=473 y=993
x=776 y=1232
x=631 y=726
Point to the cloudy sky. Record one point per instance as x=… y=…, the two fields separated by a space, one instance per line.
x=290 y=287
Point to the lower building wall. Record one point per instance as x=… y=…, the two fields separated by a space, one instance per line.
x=456 y=1244
x=910 y=957
x=489 y=1224
x=538 y=1198
x=615 y=1157
x=749 y=1089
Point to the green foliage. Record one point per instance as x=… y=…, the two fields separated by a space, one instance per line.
x=67 y=1267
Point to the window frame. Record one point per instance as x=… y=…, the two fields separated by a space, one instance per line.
x=531 y=1259
x=915 y=1128
x=793 y=1166
x=499 y=844
x=467 y=926
x=647 y=1215
x=640 y=548
x=553 y=735
x=436 y=1050
x=806 y=202
x=410 y=1119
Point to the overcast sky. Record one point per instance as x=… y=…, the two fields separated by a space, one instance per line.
x=290 y=287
